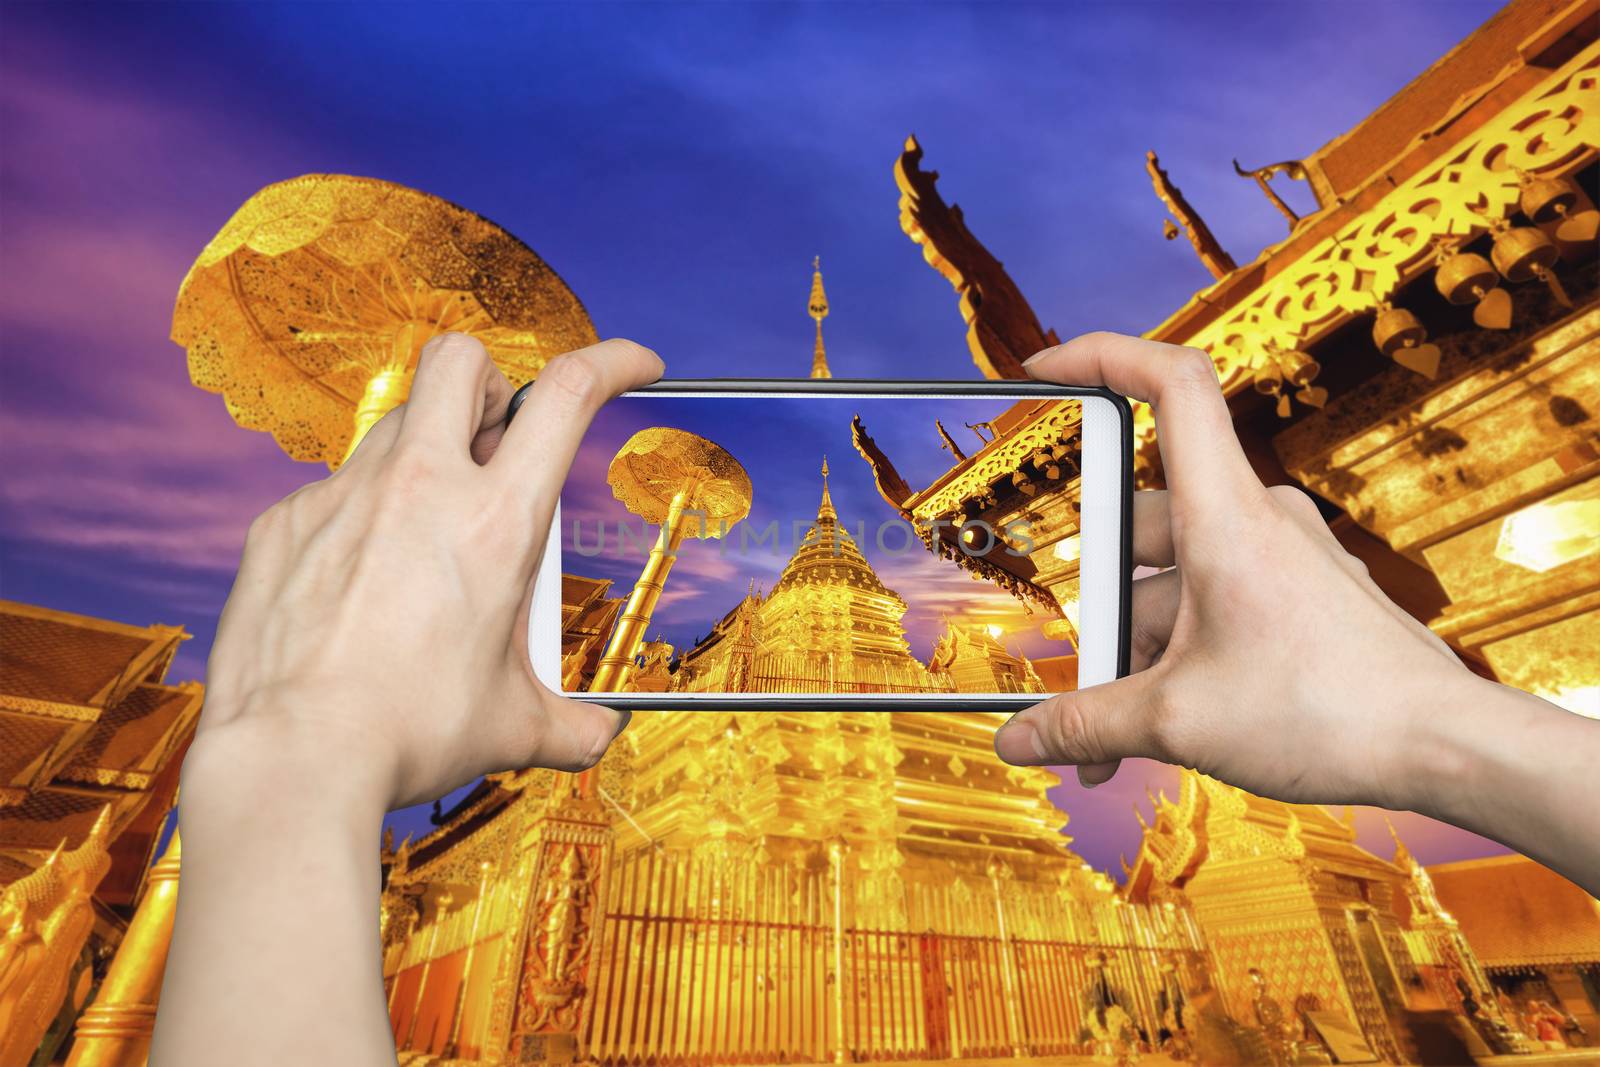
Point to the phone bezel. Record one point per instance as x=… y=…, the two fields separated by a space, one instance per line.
x=546 y=609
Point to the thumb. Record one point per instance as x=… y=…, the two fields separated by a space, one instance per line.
x=1092 y=728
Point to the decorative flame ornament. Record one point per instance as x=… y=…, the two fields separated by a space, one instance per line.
x=1400 y=335
x=1558 y=200
x=1523 y=252
x=1467 y=278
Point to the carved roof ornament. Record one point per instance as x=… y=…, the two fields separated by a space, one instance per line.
x=1292 y=168
x=1211 y=253
x=894 y=489
x=1002 y=329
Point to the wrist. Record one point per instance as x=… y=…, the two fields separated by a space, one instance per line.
x=264 y=771
x=1439 y=750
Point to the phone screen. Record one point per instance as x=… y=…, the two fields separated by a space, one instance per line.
x=824 y=544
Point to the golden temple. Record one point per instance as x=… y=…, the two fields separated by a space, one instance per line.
x=1419 y=352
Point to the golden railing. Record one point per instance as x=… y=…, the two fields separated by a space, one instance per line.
x=703 y=960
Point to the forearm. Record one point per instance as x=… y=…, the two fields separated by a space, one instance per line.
x=1517 y=769
x=275 y=955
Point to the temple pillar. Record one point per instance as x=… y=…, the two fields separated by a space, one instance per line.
x=115 y=1031
x=569 y=852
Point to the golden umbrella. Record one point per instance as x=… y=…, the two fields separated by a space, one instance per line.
x=687 y=485
x=308 y=310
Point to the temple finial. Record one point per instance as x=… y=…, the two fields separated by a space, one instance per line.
x=818 y=308
x=825 y=509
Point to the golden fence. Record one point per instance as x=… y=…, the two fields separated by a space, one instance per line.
x=701 y=960
x=816 y=672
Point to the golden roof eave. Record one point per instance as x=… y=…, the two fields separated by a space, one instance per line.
x=1346 y=259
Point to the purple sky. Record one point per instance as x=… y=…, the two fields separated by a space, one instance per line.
x=678 y=165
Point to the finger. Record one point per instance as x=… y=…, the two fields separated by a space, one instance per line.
x=537 y=449
x=571 y=735
x=1152 y=529
x=1098 y=725
x=448 y=393
x=492 y=426
x=1155 y=611
x=377 y=441
x=1193 y=428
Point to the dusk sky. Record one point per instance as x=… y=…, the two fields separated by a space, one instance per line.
x=678 y=165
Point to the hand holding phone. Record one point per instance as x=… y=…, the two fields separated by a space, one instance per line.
x=1263 y=653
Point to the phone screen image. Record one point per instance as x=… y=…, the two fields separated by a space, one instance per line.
x=823 y=544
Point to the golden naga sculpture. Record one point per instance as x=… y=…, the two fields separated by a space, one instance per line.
x=45 y=918
x=1002 y=329
x=683 y=483
x=308 y=310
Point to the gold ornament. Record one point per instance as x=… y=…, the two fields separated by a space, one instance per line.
x=1400 y=335
x=1522 y=252
x=1466 y=278
x=308 y=310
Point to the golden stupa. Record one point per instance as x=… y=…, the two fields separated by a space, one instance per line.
x=829 y=625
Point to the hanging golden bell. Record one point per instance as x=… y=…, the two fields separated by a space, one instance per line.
x=1522 y=253
x=1465 y=277
x=1547 y=199
x=1401 y=336
x=1269 y=379
x=1396 y=328
x=1298 y=366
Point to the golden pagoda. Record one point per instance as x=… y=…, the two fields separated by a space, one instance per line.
x=829 y=625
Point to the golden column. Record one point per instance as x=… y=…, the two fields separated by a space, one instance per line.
x=665 y=476
x=115 y=1031
x=819 y=311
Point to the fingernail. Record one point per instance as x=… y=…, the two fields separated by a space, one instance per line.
x=1085 y=781
x=1018 y=742
x=623 y=717
x=1036 y=355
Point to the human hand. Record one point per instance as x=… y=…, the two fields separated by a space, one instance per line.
x=1265 y=656
x=384 y=610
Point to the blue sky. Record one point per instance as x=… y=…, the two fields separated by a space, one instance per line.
x=679 y=165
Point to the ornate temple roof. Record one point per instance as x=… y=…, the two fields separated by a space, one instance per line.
x=1515 y=912
x=86 y=724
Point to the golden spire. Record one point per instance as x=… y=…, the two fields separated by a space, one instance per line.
x=825 y=510
x=819 y=311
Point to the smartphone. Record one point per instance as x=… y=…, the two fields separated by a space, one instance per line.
x=840 y=545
